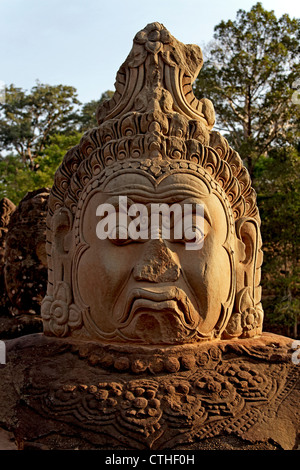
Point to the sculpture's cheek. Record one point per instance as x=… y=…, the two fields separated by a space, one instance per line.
x=103 y=269
x=209 y=275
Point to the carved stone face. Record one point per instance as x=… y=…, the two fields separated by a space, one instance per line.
x=154 y=143
x=155 y=291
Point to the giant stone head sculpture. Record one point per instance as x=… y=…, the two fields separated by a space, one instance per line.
x=154 y=144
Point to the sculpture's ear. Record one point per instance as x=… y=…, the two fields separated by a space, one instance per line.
x=247 y=315
x=61 y=226
x=247 y=233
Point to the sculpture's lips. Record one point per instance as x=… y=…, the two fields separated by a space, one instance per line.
x=160 y=299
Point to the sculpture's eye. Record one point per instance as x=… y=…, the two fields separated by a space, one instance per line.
x=192 y=229
x=119 y=235
x=194 y=233
x=128 y=229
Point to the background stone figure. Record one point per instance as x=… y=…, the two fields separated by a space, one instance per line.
x=6 y=210
x=24 y=265
x=25 y=254
x=147 y=345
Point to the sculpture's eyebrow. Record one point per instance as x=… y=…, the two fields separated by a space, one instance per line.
x=133 y=199
x=141 y=194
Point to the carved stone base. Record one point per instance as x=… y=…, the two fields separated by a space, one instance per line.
x=62 y=394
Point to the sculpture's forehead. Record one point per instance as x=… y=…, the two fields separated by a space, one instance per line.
x=176 y=182
x=170 y=189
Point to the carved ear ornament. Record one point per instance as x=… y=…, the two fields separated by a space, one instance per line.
x=246 y=321
x=60 y=315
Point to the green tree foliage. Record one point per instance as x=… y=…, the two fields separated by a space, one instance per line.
x=16 y=177
x=29 y=119
x=278 y=189
x=249 y=74
x=87 y=117
x=36 y=130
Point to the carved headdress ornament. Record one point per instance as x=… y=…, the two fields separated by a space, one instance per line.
x=155 y=115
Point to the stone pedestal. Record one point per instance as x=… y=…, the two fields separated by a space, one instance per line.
x=66 y=394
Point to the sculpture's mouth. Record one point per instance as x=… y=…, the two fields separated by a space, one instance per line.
x=160 y=301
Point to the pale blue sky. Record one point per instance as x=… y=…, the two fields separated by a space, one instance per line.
x=83 y=42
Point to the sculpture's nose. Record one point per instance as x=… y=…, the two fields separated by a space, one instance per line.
x=158 y=263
